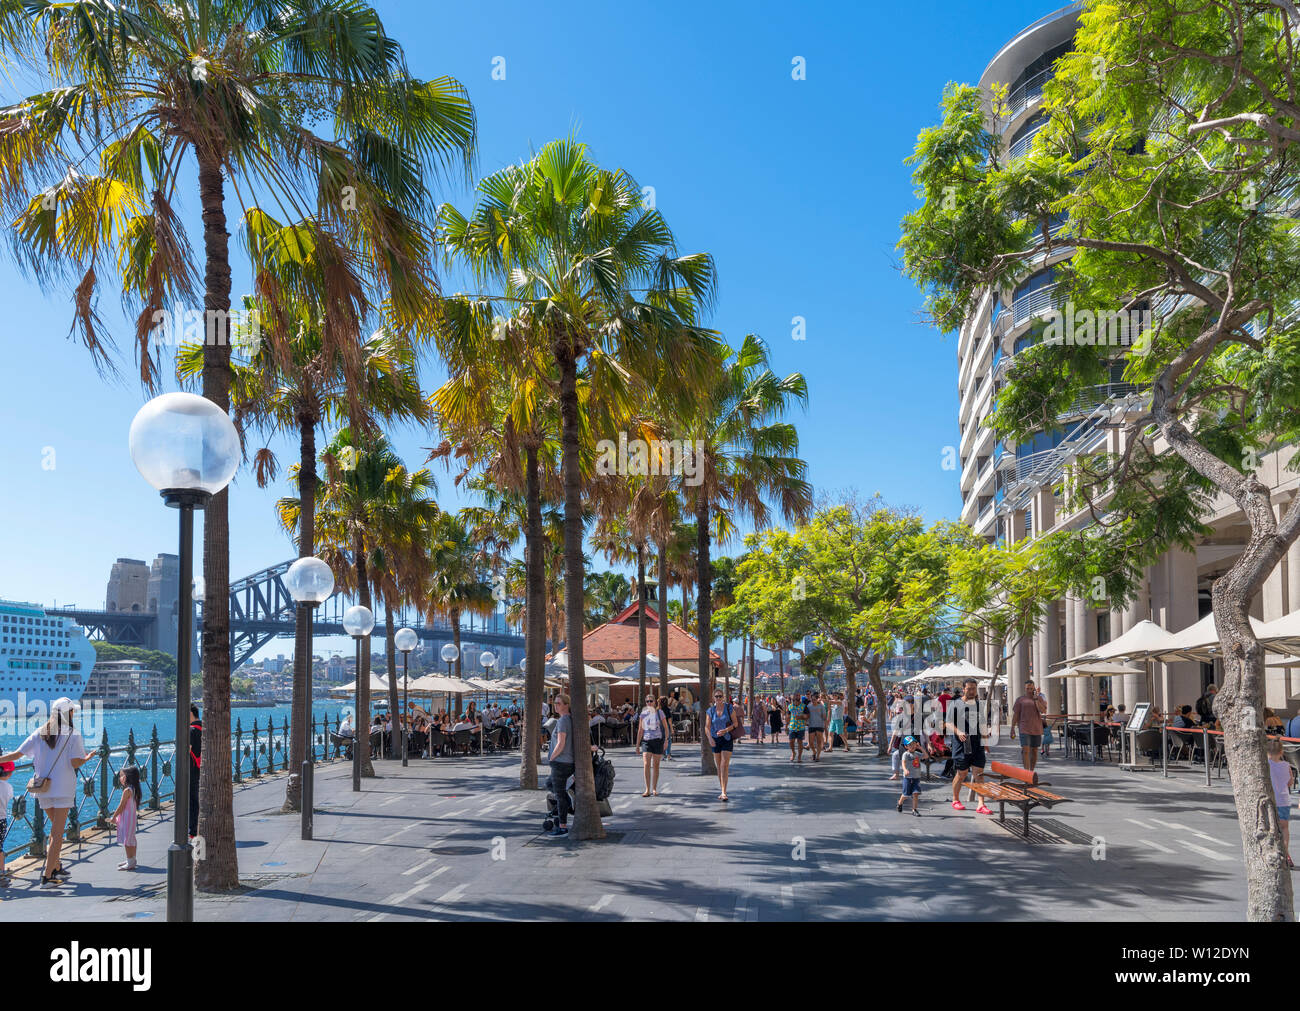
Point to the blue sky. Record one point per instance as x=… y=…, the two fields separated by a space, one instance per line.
x=796 y=188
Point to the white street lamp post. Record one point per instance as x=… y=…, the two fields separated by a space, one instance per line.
x=358 y=622
x=405 y=640
x=187 y=448
x=310 y=583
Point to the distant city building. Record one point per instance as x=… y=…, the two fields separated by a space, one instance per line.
x=908 y=663
x=128 y=586
x=335 y=670
x=151 y=589
x=125 y=684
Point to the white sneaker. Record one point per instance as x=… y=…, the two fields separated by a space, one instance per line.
x=126 y=865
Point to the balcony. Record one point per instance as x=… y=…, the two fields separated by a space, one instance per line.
x=1035 y=303
x=1027 y=94
x=1021 y=147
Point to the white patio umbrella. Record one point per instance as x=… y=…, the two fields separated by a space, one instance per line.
x=377 y=684
x=1143 y=641
x=440 y=684
x=1199 y=641
x=1283 y=632
x=633 y=670
x=1094 y=669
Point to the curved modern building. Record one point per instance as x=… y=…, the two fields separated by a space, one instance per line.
x=1008 y=489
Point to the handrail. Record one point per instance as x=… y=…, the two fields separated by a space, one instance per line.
x=255 y=753
x=1021 y=147
x=1028 y=92
x=1035 y=303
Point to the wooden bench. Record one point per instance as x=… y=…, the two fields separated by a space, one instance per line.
x=1018 y=787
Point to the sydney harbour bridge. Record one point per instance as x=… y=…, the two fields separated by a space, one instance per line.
x=261 y=609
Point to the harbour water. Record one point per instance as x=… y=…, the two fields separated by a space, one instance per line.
x=120 y=724
x=256 y=750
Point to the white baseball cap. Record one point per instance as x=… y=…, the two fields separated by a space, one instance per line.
x=63 y=704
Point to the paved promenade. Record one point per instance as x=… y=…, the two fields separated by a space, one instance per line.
x=457 y=839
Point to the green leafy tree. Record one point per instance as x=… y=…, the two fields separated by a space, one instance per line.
x=368 y=511
x=998 y=594
x=747 y=463
x=593 y=276
x=1169 y=153
x=859 y=576
x=293 y=382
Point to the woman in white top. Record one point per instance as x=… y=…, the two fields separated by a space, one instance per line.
x=56 y=751
x=651 y=731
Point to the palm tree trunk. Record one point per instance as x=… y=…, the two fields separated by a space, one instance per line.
x=363 y=679
x=586 y=820
x=663 y=621
x=640 y=619
x=391 y=648
x=780 y=668
x=454 y=615
x=704 y=626
x=219 y=868
x=302 y=632
x=535 y=629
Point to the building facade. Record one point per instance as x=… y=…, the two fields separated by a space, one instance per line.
x=1008 y=490
x=125 y=684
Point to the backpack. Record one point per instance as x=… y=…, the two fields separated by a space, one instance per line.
x=603 y=770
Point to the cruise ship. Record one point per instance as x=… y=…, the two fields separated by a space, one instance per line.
x=41 y=657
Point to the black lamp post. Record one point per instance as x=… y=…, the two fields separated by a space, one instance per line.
x=405 y=640
x=358 y=622
x=187 y=448
x=310 y=583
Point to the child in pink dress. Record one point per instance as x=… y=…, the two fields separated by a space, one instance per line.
x=125 y=815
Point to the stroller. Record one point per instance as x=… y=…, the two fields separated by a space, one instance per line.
x=601 y=768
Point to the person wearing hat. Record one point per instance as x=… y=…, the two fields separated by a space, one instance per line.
x=56 y=751
x=911 y=761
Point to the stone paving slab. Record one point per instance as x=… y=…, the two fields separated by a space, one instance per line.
x=796 y=842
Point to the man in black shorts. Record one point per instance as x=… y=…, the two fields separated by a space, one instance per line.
x=963 y=721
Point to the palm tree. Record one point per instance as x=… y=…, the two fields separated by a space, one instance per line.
x=369 y=512
x=138 y=86
x=292 y=383
x=593 y=276
x=494 y=417
x=622 y=539
x=746 y=457
x=607 y=593
x=662 y=522
x=724 y=596
x=456 y=583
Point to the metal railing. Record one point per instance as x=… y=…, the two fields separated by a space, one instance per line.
x=1091 y=397
x=254 y=753
x=1022 y=145
x=1036 y=303
x=1028 y=93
